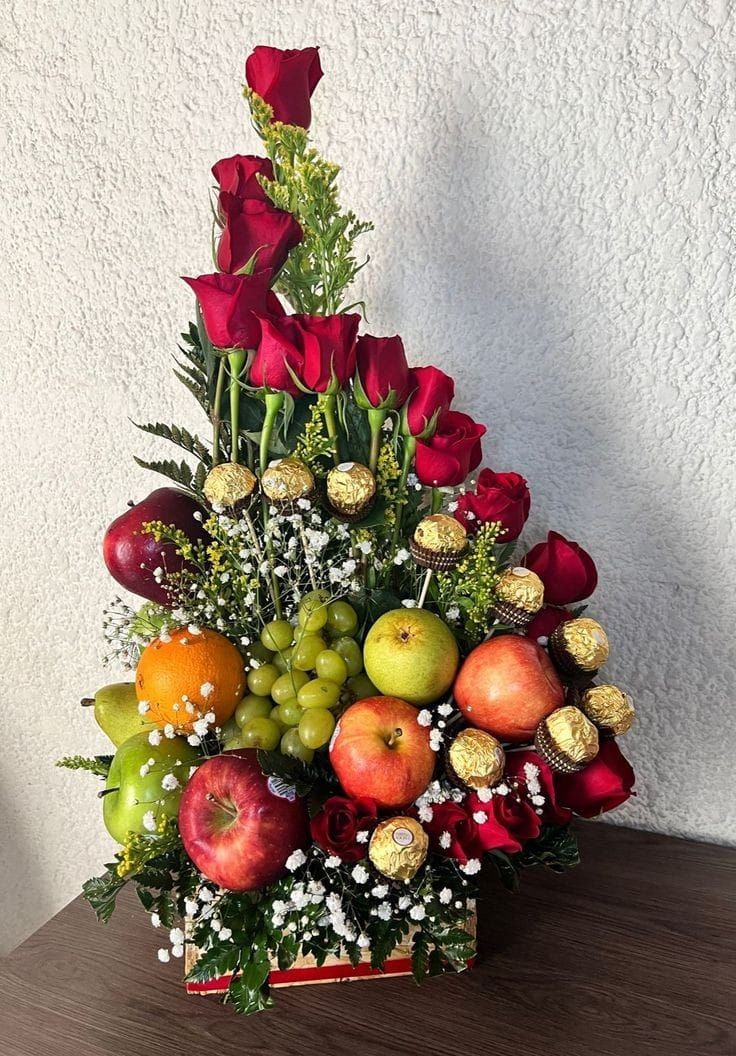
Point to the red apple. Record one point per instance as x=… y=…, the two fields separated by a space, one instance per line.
x=131 y=555
x=507 y=686
x=379 y=750
x=237 y=829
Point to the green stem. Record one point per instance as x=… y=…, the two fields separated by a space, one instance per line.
x=326 y=404
x=236 y=361
x=436 y=500
x=410 y=446
x=376 y=418
x=274 y=402
x=217 y=412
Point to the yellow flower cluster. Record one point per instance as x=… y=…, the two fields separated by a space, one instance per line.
x=314 y=444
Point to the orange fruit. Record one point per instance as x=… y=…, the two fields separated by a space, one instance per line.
x=185 y=676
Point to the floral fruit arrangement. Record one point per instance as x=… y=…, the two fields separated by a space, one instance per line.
x=347 y=694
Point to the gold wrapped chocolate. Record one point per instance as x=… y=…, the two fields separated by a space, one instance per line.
x=398 y=847
x=519 y=594
x=567 y=740
x=351 y=489
x=230 y=484
x=286 y=480
x=438 y=542
x=476 y=758
x=579 y=645
x=609 y=708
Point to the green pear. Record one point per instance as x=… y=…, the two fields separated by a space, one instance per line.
x=136 y=795
x=149 y=621
x=116 y=712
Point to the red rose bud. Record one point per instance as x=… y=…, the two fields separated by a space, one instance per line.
x=286 y=80
x=431 y=393
x=536 y=779
x=567 y=571
x=238 y=175
x=452 y=451
x=547 y=620
x=500 y=497
x=336 y=826
x=230 y=306
x=279 y=356
x=255 y=231
x=454 y=821
x=382 y=374
x=605 y=783
x=510 y=821
x=328 y=351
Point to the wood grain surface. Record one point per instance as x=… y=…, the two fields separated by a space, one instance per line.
x=632 y=954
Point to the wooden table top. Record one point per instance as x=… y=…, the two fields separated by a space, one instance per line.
x=632 y=954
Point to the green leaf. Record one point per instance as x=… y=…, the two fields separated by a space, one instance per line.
x=102 y=891
x=220 y=960
x=556 y=847
x=100 y=765
x=181 y=437
x=294 y=776
x=420 y=955
x=249 y=990
x=508 y=870
x=179 y=472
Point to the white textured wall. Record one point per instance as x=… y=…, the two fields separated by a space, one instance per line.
x=552 y=184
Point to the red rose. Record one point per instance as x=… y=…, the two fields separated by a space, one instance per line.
x=231 y=305
x=255 y=227
x=452 y=832
x=329 y=351
x=336 y=826
x=279 y=349
x=286 y=80
x=238 y=175
x=511 y=820
x=382 y=375
x=567 y=571
x=431 y=393
x=528 y=769
x=452 y=451
x=500 y=497
x=547 y=620
x=605 y=783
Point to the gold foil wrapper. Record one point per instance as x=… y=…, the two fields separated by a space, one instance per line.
x=398 y=847
x=438 y=542
x=521 y=588
x=230 y=485
x=477 y=758
x=286 y=480
x=610 y=708
x=567 y=739
x=581 y=644
x=351 y=488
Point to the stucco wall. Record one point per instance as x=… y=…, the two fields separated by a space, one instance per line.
x=552 y=185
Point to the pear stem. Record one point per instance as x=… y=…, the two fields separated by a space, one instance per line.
x=87 y=702
x=107 y=791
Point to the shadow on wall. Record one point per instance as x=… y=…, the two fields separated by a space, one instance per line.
x=558 y=406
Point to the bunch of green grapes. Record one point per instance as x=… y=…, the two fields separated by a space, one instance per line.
x=306 y=673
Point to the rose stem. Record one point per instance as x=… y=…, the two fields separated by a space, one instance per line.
x=326 y=404
x=410 y=446
x=236 y=360
x=376 y=418
x=216 y=412
x=436 y=500
x=425 y=588
x=274 y=402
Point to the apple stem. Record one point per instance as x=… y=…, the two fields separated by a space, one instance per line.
x=107 y=791
x=425 y=587
x=87 y=702
x=398 y=732
x=212 y=798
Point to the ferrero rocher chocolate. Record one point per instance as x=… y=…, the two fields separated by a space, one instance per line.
x=579 y=646
x=398 y=847
x=287 y=480
x=438 y=542
x=519 y=596
x=230 y=484
x=609 y=708
x=567 y=740
x=476 y=758
x=351 y=489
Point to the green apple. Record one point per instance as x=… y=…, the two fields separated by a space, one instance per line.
x=411 y=654
x=135 y=787
x=116 y=712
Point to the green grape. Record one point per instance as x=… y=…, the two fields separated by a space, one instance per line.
x=277 y=635
x=331 y=665
x=361 y=686
x=341 y=619
x=289 y=713
x=291 y=744
x=229 y=730
x=260 y=679
x=275 y=716
x=287 y=686
x=233 y=742
x=312 y=614
x=306 y=652
x=261 y=733
x=316 y=726
x=351 y=653
x=252 y=707
x=258 y=651
x=319 y=693
x=282 y=660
